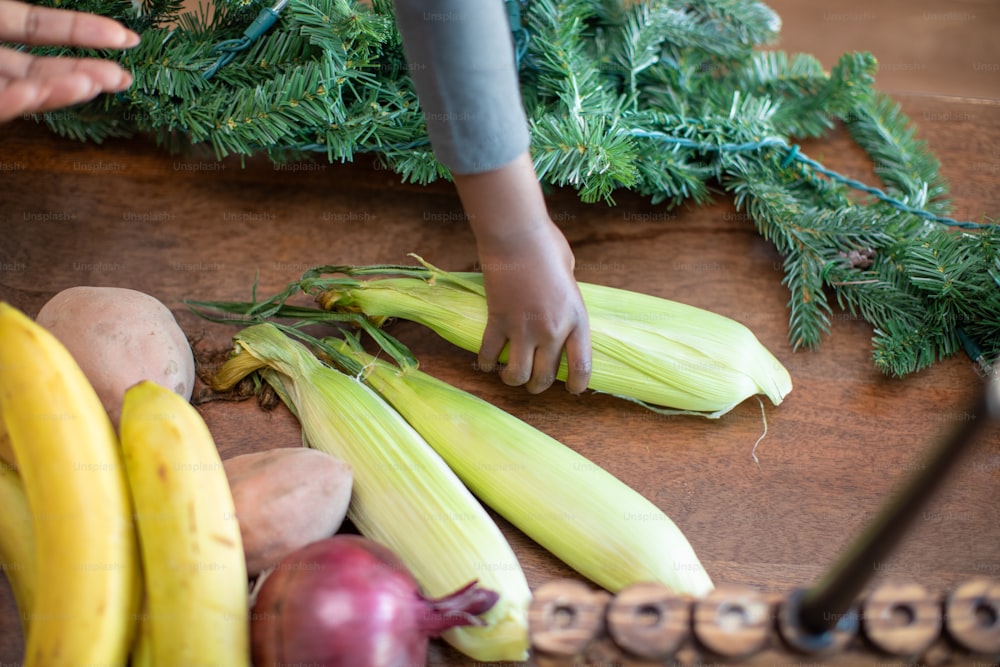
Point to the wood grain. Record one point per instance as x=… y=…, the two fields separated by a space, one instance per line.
x=127 y=214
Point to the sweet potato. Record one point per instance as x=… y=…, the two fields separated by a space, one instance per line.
x=285 y=499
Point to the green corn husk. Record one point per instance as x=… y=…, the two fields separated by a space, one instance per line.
x=582 y=514
x=404 y=495
x=666 y=355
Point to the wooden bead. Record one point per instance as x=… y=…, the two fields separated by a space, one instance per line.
x=901 y=618
x=833 y=640
x=564 y=617
x=972 y=615
x=732 y=621
x=648 y=620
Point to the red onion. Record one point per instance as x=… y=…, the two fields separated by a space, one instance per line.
x=347 y=601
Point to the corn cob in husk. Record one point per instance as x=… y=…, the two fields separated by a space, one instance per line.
x=661 y=353
x=404 y=496
x=575 y=509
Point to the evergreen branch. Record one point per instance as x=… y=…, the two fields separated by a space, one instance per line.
x=260 y=116
x=584 y=152
x=239 y=5
x=153 y=14
x=350 y=36
x=904 y=163
x=809 y=317
x=720 y=140
x=865 y=293
x=670 y=176
x=924 y=281
x=198 y=25
x=667 y=98
x=774 y=72
x=180 y=61
x=388 y=119
x=725 y=29
x=87 y=122
x=563 y=71
x=415 y=165
x=738 y=22
x=646 y=28
x=816 y=243
x=952 y=271
x=903 y=347
x=279 y=51
x=809 y=99
x=772 y=207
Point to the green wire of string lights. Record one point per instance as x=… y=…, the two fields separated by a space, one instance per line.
x=230 y=48
x=795 y=155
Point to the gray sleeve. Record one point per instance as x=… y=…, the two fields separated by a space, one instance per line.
x=460 y=55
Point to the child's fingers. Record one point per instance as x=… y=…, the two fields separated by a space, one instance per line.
x=28 y=24
x=578 y=359
x=107 y=75
x=23 y=96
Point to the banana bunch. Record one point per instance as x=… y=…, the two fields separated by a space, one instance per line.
x=118 y=552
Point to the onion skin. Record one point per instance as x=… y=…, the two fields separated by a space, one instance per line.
x=347 y=601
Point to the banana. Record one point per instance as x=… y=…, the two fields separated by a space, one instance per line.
x=6 y=449
x=197 y=603
x=142 y=655
x=17 y=541
x=87 y=571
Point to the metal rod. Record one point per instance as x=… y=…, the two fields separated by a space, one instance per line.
x=823 y=605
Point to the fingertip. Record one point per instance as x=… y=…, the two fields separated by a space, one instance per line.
x=513 y=379
x=574 y=385
x=110 y=77
x=544 y=371
x=579 y=376
x=539 y=386
x=79 y=88
x=580 y=365
x=487 y=361
x=130 y=39
x=515 y=374
x=490 y=348
x=124 y=82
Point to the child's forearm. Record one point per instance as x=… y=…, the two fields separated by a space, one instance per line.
x=503 y=205
x=535 y=307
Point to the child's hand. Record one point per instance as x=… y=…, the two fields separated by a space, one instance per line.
x=535 y=306
x=30 y=84
x=534 y=303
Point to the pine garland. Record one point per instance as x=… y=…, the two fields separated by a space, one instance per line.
x=669 y=99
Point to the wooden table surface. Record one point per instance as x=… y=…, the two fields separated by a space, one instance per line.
x=127 y=214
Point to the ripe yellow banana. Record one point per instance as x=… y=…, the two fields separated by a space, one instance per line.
x=88 y=581
x=195 y=573
x=17 y=541
x=142 y=649
x=6 y=449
